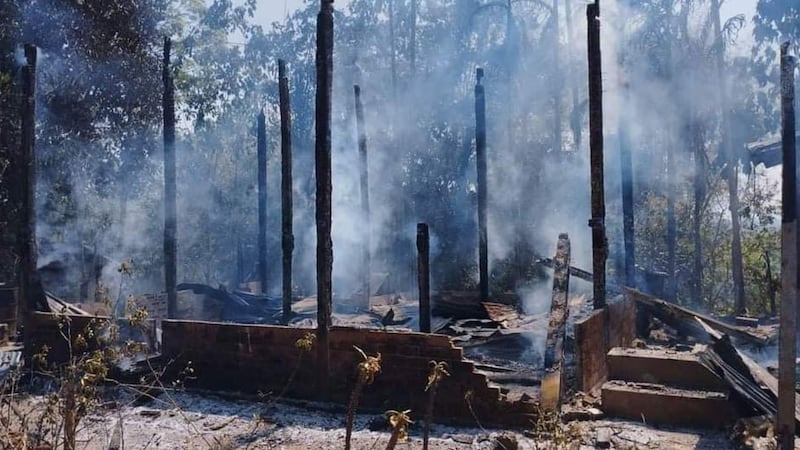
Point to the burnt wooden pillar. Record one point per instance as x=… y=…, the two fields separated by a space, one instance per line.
x=363 y=168
x=480 y=151
x=262 y=199
x=170 y=187
x=28 y=292
x=787 y=352
x=324 y=188
x=552 y=384
x=597 y=222
x=287 y=239
x=424 y=277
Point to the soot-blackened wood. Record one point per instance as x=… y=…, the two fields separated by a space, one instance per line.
x=170 y=187
x=262 y=199
x=363 y=168
x=480 y=151
x=324 y=189
x=29 y=294
x=424 y=277
x=287 y=239
x=597 y=222
x=552 y=384
x=787 y=351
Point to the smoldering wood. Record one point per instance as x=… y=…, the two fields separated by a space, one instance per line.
x=170 y=187
x=424 y=277
x=787 y=351
x=30 y=291
x=261 y=144
x=287 y=215
x=480 y=150
x=363 y=168
x=597 y=222
x=685 y=320
x=553 y=382
x=324 y=189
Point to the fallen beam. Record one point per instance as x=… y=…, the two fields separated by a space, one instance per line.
x=684 y=319
x=552 y=385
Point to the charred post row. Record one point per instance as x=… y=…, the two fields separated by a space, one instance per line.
x=480 y=151
x=287 y=240
x=170 y=189
x=324 y=188
x=363 y=168
x=27 y=238
x=424 y=277
x=262 y=199
x=787 y=351
x=597 y=222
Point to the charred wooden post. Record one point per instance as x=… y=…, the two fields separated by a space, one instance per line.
x=424 y=277
x=262 y=199
x=27 y=238
x=324 y=188
x=552 y=384
x=787 y=352
x=170 y=187
x=363 y=168
x=287 y=240
x=597 y=222
x=480 y=150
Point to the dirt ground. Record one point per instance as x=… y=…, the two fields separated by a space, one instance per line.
x=192 y=421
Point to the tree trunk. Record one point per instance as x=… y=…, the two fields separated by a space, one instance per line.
x=480 y=150
x=626 y=169
x=576 y=114
x=28 y=251
x=170 y=189
x=412 y=44
x=364 y=176
x=699 y=199
x=262 y=200
x=324 y=189
x=287 y=241
x=732 y=169
x=557 y=79
x=597 y=222
x=424 y=277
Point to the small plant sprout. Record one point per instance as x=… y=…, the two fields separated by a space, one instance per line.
x=305 y=343
x=367 y=369
x=399 y=420
x=438 y=370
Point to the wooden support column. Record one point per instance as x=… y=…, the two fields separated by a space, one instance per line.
x=261 y=144
x=170 y=187
x=287 y=240
x=597 y=222
x=424 y=277
x=787 y=351
x=480 y=150
x=324 y=189
x=28 y=279
x=552 y=384
x=363 y=168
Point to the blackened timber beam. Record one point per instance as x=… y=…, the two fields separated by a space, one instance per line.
x=787 y=350
x=363 y=168
x=28 y=281
x=424 y=277
x=480 y=151
x=552 y=384
x=170 y=187
x=287 y=233
x=597 y=222
x=324 y=189
x=262 y=199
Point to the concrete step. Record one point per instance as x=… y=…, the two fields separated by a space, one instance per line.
x=659 y=366
x=660 y=404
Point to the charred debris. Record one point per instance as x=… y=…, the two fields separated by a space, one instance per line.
x=624 y=347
